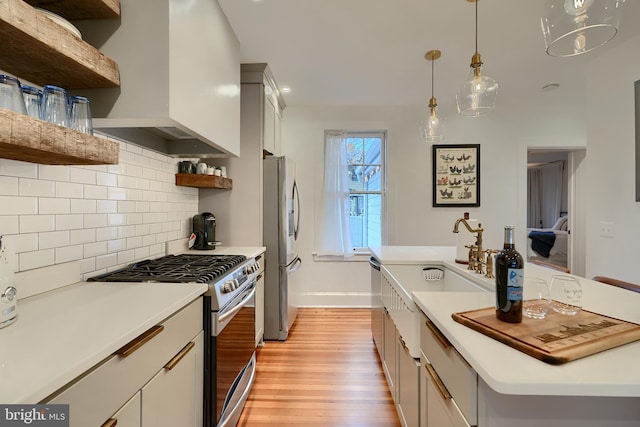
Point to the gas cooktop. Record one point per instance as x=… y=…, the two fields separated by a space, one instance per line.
x=182 y=268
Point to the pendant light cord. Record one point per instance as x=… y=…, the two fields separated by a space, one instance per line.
x=477 y=25
x=432 y=61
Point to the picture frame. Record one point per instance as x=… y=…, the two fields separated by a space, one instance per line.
x=456 y=175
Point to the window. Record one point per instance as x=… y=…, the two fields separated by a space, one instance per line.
x=365 y=164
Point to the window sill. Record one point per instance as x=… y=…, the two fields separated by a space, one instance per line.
x=362 y=256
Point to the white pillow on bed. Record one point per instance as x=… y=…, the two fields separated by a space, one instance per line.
x=561 y=224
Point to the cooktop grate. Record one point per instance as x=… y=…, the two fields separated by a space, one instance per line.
x=180 y=268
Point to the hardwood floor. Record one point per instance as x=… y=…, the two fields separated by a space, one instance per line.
x=327 y=373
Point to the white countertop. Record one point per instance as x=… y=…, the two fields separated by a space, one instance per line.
x=412 y=254
x=613 y=372
x=62 y=333
x=248 y=251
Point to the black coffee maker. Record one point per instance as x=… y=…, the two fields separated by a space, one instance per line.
x=204 y=228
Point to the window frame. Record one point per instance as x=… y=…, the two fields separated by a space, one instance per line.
x=382 y=134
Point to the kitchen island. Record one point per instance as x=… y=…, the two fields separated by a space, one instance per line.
x=512 y=388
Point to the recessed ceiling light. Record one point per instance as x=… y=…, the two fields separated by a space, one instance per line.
x=285 y=89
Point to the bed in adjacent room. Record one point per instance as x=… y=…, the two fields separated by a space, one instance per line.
x=549 y=244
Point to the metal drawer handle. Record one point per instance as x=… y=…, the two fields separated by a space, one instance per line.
x=111 y=422
x=178 y=357
x=404 y=344
x=444 y=342
x=138 y=342
x=442 y=389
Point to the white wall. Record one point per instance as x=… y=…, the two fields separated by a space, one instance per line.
x=101 y=217
x=611 y=165
x=411 y=220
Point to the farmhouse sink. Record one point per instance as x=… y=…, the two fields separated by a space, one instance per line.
x=411 y=277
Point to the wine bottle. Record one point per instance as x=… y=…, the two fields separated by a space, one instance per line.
x=509 y=280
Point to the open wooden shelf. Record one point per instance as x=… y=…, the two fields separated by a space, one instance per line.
x=31 y=140
x=203 y=181
x=80 y=9
x=35 y=48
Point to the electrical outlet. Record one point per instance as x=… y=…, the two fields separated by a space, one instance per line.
x=606 y=228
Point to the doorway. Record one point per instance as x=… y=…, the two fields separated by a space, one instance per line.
x=555 y=220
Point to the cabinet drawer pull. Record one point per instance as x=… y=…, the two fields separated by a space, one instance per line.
x=404 y=344
x=442 y=389
x=178 y=357
x=259 y=277
x=138 y=342
x=444 y=342
x=111 y=422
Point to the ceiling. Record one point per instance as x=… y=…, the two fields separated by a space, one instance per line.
x=371 y=52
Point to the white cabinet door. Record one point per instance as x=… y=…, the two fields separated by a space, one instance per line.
x=277 y=133
x=172 y=397
x=269 y=126
x=408 y=387
x=423 y=390
x=389 y=363
x=128 y=415
x=441 y=409
x=260 y=309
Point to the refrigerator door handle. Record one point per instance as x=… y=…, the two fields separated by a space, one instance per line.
x=295 y=265
x=296 y=195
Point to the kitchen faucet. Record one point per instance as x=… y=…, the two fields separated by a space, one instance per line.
x=476 y=253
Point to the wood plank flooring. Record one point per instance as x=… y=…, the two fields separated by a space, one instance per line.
x=327 y=373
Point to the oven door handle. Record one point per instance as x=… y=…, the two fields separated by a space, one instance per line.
x=237 y=308
x=245 y=394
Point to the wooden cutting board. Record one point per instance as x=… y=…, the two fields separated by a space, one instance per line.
x=557 y=338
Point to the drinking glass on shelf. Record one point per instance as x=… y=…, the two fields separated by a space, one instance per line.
x=11 y=95
x=54 y=105
x=80 y=114
x=536 y=305
x=32 y=100
x=566 y=295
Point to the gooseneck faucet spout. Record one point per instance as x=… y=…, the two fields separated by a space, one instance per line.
x=467 y=226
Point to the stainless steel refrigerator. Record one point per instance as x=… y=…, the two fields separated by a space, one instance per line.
x=281 y=218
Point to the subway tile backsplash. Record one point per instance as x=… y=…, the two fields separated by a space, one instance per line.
x=102 y=217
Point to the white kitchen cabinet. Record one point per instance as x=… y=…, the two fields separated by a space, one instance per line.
x=272 y=124
x=458 y=378
x=128 y=415
x=390 y=361
x=269 y=141
x=171 y=397
x=408 y=386
x=451 y=389
x=440 y=409
x=241 y=210
x=100 y=393
x=260 y=305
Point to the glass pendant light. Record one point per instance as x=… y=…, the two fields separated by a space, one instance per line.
x=573 y=27
x=431 y=127
x=477 y=96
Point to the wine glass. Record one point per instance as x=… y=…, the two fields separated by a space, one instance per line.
x=536 y=305
x=566 y=295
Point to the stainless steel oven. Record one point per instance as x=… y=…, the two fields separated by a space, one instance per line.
x=229 y=322
x=232 y=356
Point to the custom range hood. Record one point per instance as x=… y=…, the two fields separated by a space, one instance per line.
x=180 y=77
